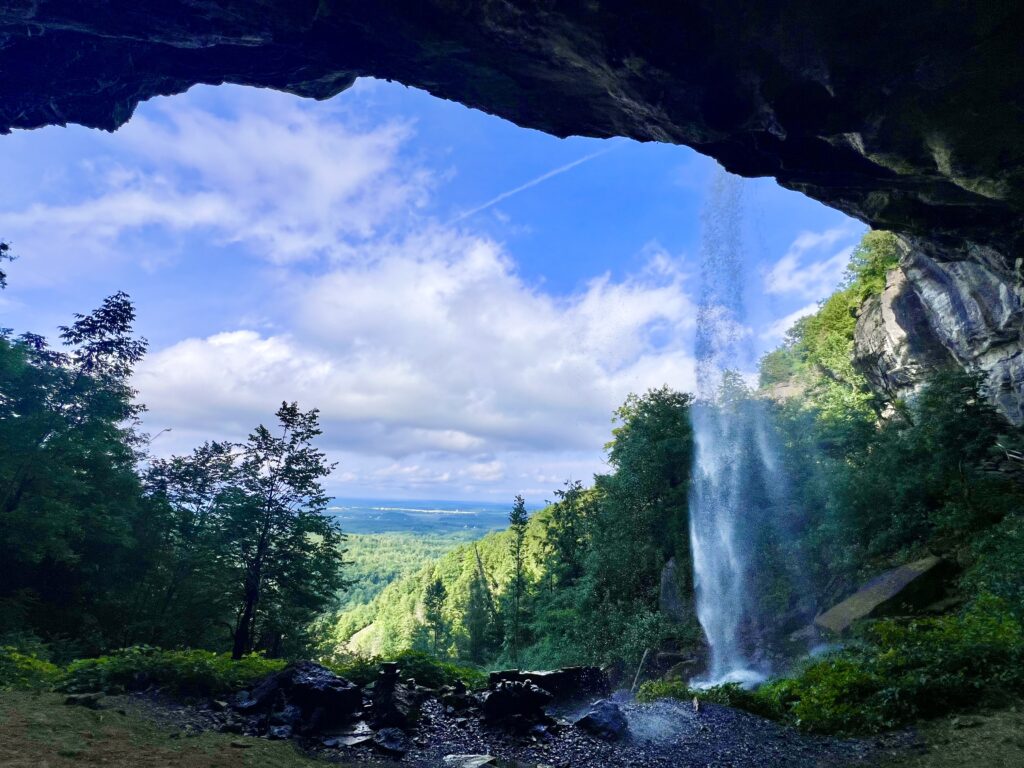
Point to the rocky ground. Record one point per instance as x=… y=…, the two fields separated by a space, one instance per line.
x=664 y=733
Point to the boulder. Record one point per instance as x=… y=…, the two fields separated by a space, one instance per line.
x=909 y=587
x=605 y=720
x=468 y=761
x=305 y=696
x=563 y=684
x=392 y=740
x=515 y=701
x=394 y=706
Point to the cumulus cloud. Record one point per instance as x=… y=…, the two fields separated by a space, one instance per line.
x=777 y=330
x=812 y=266
x=433 y=345
x=437 y=368
x=288 y=183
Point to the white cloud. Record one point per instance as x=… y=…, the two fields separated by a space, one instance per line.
x=433 y=346
x=437 y=368
x=777 y=330
x=287 y=183
x=812 y=268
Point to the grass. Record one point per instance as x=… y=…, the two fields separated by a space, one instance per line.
x=38 y=729
x=990 y=740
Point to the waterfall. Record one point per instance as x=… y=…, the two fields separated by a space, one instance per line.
x=735 y=475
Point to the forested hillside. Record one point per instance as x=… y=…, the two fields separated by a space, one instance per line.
x=103 y=547
x=230 y=548
x=872 y=483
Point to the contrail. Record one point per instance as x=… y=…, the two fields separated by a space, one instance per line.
x=531 y=183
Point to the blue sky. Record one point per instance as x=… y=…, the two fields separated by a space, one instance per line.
x=466 y=301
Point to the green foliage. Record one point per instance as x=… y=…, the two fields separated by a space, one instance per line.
x=582 y=575
x=817 y=353
x=434 y=598
x=5 y=255
x=899 y=672
x=186 y=673
x=997 y=565
x=376 y=560
x=25 y=671
x=229 y=542
x=75 y=532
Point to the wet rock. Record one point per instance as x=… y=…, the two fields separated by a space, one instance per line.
x=348 y=741
x=279 y=732
x=605 y=720
x=563 y=684
x=392 y=740
x=468 y=761
x=513 y=700
x=909 y=587
x=455 y=697
x=672 y=601
x=394 y=706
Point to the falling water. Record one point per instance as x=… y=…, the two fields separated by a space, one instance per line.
x=735 y=474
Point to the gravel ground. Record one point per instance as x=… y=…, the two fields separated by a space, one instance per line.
x=664 y=733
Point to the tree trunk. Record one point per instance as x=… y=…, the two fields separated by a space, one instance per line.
x=243 y=635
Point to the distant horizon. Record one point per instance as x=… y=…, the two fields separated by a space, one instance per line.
x=423 y=500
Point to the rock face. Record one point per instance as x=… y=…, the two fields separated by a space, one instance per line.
x=672 y=602
x=911 y=586
x=937 y=313
x=894 y=344
x=909 y=117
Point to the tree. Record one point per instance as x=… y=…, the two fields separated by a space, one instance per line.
x=5 y=255
x=434 y=598
x=285 y=553
x=189 y=600
x=518 y=518
x=479 y=616
x=565 y=534
x=73 y=529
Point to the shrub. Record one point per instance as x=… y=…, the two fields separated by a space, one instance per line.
x=191 y=673
x=25 y=671
x=900 y=671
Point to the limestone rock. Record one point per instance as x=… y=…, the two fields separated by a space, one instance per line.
x=911 y=586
